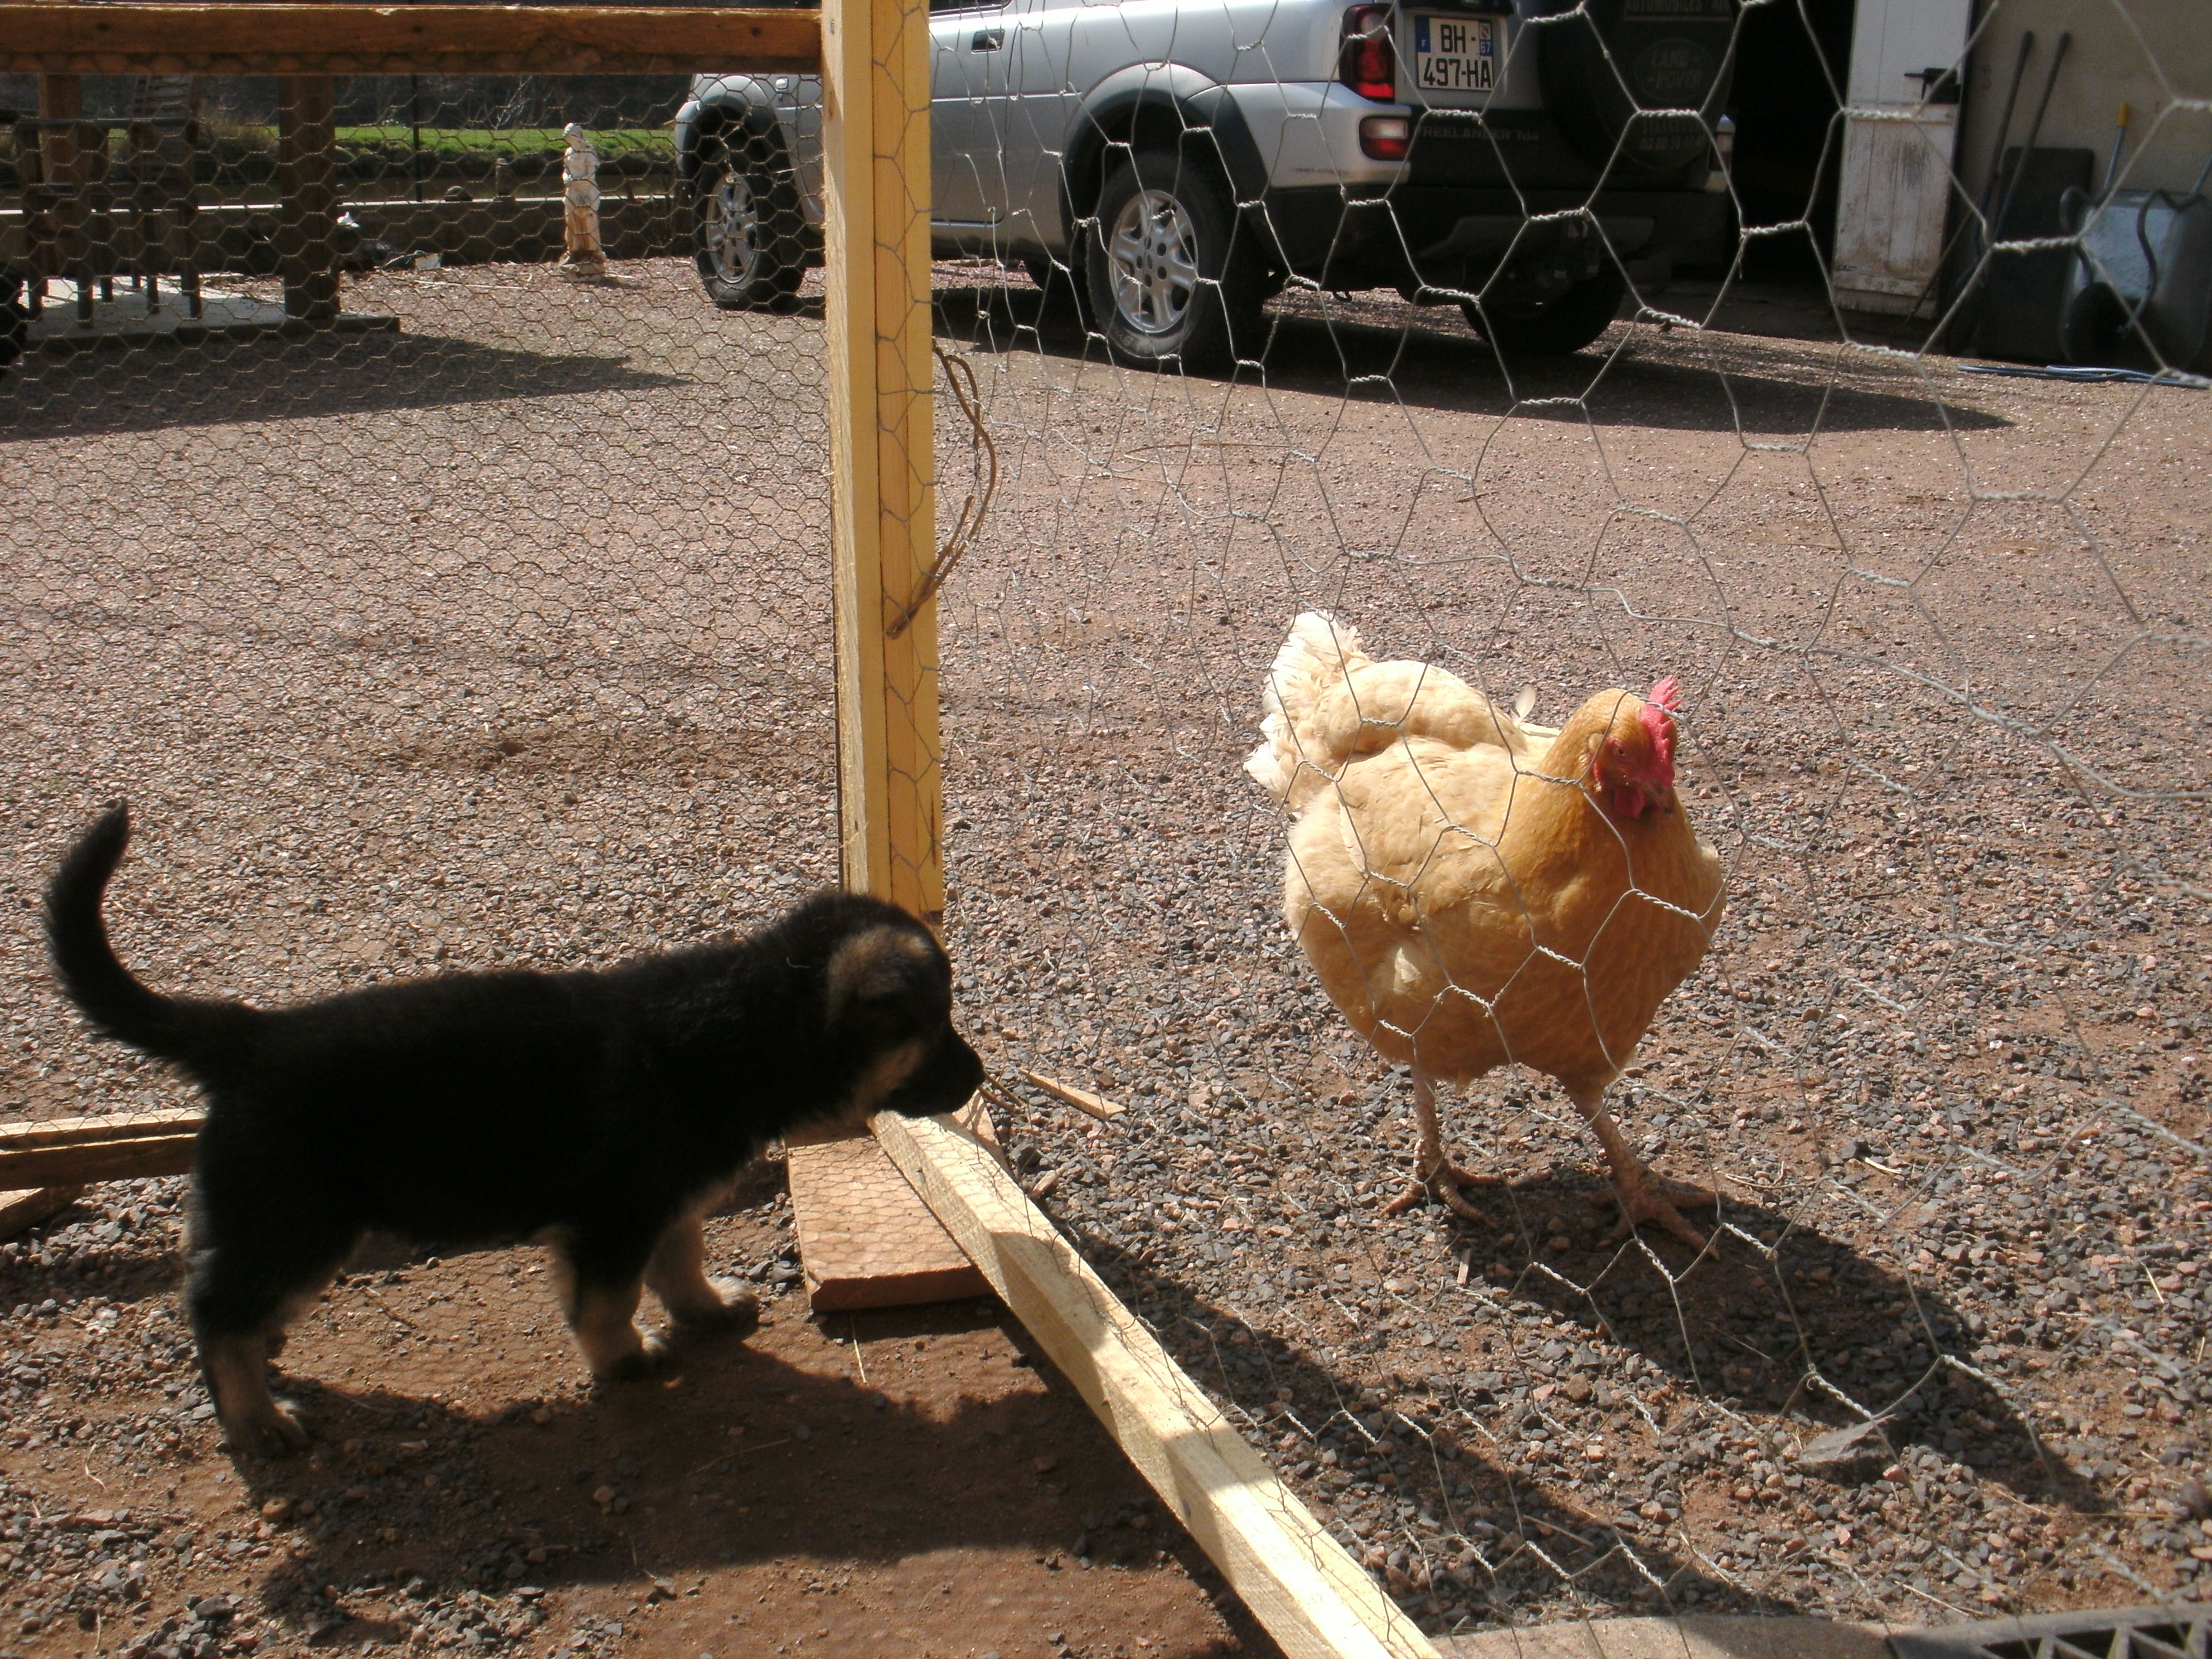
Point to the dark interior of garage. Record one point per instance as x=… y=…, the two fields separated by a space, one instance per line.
x=1792 y=61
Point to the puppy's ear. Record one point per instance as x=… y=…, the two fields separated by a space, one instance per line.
x=885 y=983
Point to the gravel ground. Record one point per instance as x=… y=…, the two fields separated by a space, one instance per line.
x=1941 y=637
x=505 y=638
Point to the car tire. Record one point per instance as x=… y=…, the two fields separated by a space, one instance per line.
x=751 y=256
x=1566 y=322
x=1062 y=285
x=1168 y=277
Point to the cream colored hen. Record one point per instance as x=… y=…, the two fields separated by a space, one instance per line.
x=1474 y=889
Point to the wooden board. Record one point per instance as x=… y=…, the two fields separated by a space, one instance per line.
x=865 y=1239
x=112 y=37
x=19 y=1210
x=1298 y=1582
x=74 y=1151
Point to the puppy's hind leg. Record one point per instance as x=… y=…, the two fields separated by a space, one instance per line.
x=253 y=1419
x=677 y=1275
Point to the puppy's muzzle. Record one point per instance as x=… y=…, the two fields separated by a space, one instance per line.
x=944 y=1082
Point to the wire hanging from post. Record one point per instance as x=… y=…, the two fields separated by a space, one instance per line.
x=969 y=524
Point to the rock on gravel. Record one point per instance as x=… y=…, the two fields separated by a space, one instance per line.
x=1846 y=1454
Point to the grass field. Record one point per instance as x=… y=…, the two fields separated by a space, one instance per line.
x=459 y=142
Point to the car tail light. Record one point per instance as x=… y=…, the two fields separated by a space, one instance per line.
x=1386 y=138
x=1368 y=61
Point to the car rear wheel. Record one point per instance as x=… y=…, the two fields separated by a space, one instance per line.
x=751 y=256
x=1168 y=278
x=1566 y=322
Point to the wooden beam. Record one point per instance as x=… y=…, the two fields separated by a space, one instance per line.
x=1299 y=1582
x=112 y=37
x=74 y=1152
x=875 y=77
x=25 y=1209
x=306 y=228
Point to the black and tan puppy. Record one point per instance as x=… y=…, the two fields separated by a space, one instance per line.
x=603 y=1112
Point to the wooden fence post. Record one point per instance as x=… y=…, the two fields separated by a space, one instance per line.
x=307 y=131
x=875 y=74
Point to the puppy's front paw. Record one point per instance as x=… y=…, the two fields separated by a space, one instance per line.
x=729 y=1310
x=277 y=1432
x=635 y=1366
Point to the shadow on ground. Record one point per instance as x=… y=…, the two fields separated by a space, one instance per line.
x=1780 y=391
x=1743 y=1325
x=218 y=382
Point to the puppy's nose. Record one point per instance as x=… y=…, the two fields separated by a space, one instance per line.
x=952 y=1074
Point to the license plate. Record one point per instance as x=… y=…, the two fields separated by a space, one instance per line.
x=1454 y=54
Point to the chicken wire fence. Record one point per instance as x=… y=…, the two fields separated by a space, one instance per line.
x=434 y=602
x=503 y=634
x=1935 y=635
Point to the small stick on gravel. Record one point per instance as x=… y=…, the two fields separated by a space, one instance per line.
x=396 y=1317
x=1082 y=1099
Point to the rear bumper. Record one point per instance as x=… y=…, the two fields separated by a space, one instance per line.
x=1447 y=233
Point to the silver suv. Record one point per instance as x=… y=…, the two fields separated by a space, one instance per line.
x=1172 y=163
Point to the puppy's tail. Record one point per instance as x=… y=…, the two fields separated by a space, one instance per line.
x=187 y=1030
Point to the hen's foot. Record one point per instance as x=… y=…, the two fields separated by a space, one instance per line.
x=1644 y=1197
x=1443 y=1184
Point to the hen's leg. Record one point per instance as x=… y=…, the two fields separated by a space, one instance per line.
x=1642 y=1195
x=1436 y=1176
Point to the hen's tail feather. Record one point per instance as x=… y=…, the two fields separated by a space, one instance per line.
x=169 y=1028
x=1318 y=653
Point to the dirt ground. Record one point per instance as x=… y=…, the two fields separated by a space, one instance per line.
x=505 y=638
x=912 y=1482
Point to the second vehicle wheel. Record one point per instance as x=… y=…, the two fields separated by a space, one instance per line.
x=749 y=253
x=1566 y=322
x=1168 y=277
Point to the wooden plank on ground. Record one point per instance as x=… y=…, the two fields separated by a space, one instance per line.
x=1299 y=1582
x=114 y=37
x=865 y=1239
x=19 y=1210
x=74 y=1152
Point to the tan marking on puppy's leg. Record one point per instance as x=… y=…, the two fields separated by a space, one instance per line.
x=677 y=1275
x=256 y=1422
x=604 y=1321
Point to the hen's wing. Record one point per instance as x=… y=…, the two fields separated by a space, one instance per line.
x=1397 y=895
x=1371 y=707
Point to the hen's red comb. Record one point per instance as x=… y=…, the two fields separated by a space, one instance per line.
x=1667 y=693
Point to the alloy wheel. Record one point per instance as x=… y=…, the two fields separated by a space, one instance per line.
x=731 y=231
x=1153 y=260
